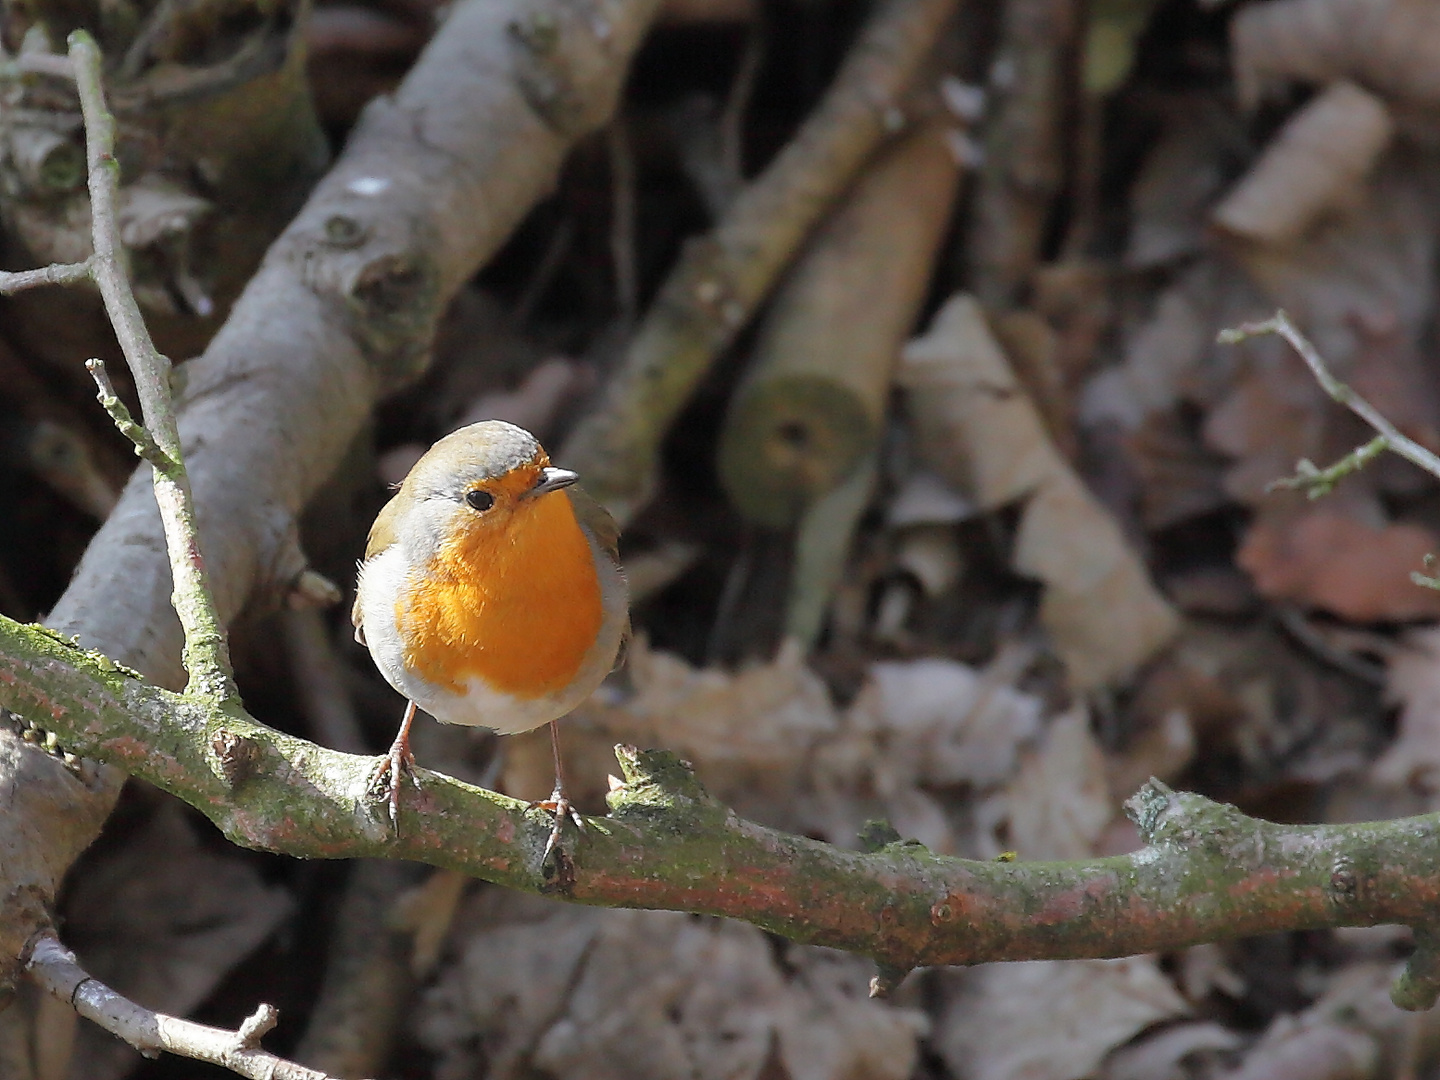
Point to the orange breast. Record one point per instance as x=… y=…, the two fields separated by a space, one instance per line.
x=516 y=603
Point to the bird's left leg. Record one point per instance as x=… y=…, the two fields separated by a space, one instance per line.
x=559 y=801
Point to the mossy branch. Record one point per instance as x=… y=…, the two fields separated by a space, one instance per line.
x=1208 y=871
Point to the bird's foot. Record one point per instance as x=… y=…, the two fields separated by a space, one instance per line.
x=559 y=805
x=394 y=766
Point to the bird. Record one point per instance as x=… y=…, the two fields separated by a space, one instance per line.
x=491 y=594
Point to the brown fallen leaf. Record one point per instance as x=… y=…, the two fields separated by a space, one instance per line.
x=1179 y=477
x=1328 y=559
x=1346 y=1035
x=1165 y=1054
x=1200 y=146
x=1269 y=421
x=1317 y=162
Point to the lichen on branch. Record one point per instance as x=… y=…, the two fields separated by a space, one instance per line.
x=1207 y=871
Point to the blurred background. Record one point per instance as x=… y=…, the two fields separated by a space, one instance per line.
x=971 y=531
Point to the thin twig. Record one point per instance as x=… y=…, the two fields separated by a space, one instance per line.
x=543 y=276
x=1298 y=627
x=732 y=120
x=206 y=653
x=14 y=281
x=1317 y=482
x=1280 y=324
x=38 y=64
x=1320 y=481
x=145 y=446
x=53 y=968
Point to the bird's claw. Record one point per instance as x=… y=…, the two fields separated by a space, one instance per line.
x=558 y=804
x=399 y=762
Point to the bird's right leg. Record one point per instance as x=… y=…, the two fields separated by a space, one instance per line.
x=398 y=762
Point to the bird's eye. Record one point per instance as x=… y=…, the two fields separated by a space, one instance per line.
x=480 y=499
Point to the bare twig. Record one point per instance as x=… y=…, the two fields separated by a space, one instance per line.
x=432 y=181
x=545 y=270
x=1317 y=482
x=1401 y=444
x=1026 y=132
x=1297 y=626
x=14 y=281
x=53 y=968
x=742 y=88
x=145 y=446
x=207 y=653
x=34 y=63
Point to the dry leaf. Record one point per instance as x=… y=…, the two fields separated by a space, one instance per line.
x=504 y=990
x=767 y=740
x=749 y=734
x=1413 y=682
x=1179 y=478
x=1187 y=168
x=834 y=1029
x=1163 y=1054
x=941 y=722
x=1269 y=421
x=977 y=428
x=1048 y=1019
x=1367 y=265
x=1343 y=1036
x=1318 y=162
x=1329 y=559
x=642 y=994
x=923 y=498
x=1158 y=356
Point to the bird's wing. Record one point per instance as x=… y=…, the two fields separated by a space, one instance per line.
x=597 y=520
x=382 y=535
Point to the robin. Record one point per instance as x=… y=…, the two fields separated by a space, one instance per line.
x=491 y=592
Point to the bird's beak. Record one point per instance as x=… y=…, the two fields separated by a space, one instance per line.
x=552 y=479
